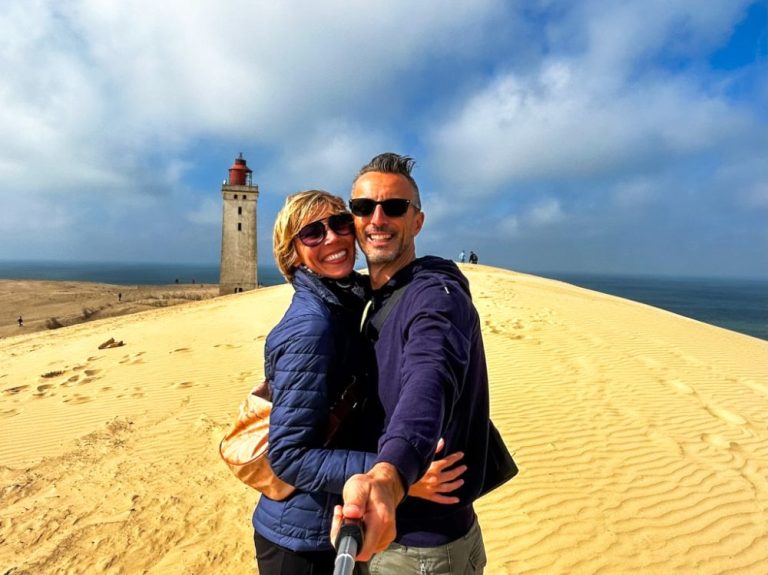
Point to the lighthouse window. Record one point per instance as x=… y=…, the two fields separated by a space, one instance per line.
x=239 y=210
x=239 y=227
x=235 y=196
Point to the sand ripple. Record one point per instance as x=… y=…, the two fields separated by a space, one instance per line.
x=642 y=438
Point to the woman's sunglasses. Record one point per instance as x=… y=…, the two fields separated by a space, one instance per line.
x=314 y=234
x=393 y=208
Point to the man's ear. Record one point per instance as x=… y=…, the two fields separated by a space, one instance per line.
x=419 y=222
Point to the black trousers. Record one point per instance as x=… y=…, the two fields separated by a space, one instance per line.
x=276 y=560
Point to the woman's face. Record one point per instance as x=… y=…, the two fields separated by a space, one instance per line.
x=334 y=255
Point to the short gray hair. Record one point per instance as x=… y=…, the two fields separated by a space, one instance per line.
x=391 y=163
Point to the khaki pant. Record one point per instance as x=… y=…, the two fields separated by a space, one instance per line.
x=465 y=556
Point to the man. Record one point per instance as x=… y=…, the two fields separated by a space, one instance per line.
x=432 y=382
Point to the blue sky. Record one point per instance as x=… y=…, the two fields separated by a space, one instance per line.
x=594 y=136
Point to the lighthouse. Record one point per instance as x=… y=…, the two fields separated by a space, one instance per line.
x=238 y=231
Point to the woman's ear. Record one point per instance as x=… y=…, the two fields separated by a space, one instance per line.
x=295 y=260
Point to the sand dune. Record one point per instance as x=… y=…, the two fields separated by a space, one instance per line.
x=642 y=437
x=46 y=305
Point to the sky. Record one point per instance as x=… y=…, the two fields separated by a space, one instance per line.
x=549 y=136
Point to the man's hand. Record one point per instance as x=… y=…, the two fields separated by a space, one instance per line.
x=372 y=497
x=440 y=478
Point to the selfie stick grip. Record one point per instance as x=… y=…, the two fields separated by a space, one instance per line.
x=348 y=542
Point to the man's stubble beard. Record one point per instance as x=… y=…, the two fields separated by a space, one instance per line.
x=377 y=257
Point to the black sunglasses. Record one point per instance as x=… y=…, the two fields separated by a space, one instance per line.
x=393 y=208
x=314 y=234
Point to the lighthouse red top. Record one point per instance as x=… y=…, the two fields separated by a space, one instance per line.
x=239 y=173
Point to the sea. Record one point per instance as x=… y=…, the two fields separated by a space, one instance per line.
x=737 y=304
x=126 y=273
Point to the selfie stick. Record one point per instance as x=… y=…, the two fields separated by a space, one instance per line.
x=348 y=542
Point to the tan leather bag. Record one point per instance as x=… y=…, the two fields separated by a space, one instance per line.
x=244 y=448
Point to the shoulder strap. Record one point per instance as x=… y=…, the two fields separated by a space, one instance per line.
x=372 y=323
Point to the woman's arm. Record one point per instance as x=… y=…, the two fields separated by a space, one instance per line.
x=441 y=478
x=300 y=394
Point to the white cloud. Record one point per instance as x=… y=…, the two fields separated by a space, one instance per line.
x=545 y=212
x=509 y=226
x=208 y=212
x=634 y=193
x=329 y=156
x=112 y=113
x=92 y=90
x=622 y=38
x=561 y=124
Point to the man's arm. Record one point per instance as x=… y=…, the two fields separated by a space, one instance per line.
x=434 y=359
x=372 y=497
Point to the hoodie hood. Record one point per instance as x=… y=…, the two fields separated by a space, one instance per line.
x=427 y=267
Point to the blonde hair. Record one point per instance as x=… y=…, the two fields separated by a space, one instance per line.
x=299 y=210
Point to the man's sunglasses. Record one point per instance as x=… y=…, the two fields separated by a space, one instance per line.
x=393 y=208
x=314 y=234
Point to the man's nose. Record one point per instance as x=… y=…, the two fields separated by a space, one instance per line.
x=378 y=216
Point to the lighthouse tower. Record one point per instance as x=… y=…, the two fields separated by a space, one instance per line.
x=238 y=231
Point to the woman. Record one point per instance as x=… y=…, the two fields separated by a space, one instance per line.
x=311 y=357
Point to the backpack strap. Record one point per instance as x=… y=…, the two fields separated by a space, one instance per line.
x=373 y=321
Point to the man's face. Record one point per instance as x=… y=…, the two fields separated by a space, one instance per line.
x=386 y=241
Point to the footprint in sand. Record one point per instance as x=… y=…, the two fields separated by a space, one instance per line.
x=662 y=438
x=9 y=413
x=755 y=386
x=689 y=359
x=720 y=442
x=682 y=387
x=71 y=381
x=725 y=415
x=91 y=372
x=180 y=350
x=132 y=359
x=183 y=384
x=649 y=361
x=15 y=390
x=77 y=399
x=505 y=328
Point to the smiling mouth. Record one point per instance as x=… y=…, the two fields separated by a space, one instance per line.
x=336 y=257
x=379 y=237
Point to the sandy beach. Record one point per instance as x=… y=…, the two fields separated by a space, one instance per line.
x=641 y=436
x=46 y=305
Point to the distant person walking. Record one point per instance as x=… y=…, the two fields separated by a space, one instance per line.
x=120 y=296
x=21 y=322
x=472 y=257
x=462 y=256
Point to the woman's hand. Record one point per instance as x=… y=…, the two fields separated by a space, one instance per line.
x=440 y=478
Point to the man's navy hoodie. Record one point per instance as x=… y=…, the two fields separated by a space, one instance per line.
x=433 y=383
